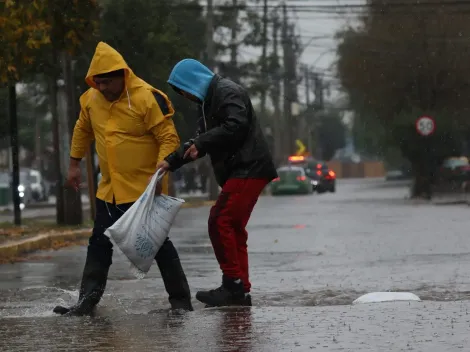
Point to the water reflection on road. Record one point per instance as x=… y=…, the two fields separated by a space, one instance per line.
x=310 y=256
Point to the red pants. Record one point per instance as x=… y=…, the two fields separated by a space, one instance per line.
x=227 y=222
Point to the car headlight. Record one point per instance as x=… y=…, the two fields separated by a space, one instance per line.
x=314 y=182
x=20 y=188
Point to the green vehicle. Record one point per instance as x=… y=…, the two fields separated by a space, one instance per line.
x=291 y=180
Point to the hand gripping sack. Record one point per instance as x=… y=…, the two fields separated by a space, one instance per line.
x=141 y=230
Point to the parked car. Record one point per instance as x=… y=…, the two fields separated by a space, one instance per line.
x=454 y=169
x=32 y=187
x=322 y=178
x=291 y=180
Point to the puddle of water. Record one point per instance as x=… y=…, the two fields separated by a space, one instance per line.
x=38 y=302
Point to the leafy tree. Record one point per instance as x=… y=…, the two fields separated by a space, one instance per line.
x=405 y=60
x=247 y=23
x=332 y=134
x=32 y=105
x=23 y=30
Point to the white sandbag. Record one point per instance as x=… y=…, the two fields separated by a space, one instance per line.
x=141 y=230
x=377 y=297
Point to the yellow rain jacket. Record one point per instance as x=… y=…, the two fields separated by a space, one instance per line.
x=132 y=134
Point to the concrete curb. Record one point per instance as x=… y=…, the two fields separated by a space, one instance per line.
x=197 y=204
x=11 y=250
x=451 y=202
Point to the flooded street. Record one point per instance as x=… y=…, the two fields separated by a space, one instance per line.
x=310 y=256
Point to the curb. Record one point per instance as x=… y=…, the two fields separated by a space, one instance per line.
x=191 y=204
x=451 y=202
x=9 y=251
x=202 y=203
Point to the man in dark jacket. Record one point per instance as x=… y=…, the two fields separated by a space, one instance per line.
x=230 y=134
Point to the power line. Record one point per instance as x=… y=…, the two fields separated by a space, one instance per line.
x=393 y=5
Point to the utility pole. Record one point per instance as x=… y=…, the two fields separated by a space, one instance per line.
x=287 y=109
x=307 y=84
x=290 y=86
x=275 y=96
x=209 y=61
x=264 y=59
x=308 y=111
x=319 y=91
x=318 y=104
x=234 y=72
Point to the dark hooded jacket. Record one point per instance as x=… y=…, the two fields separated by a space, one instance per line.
x=228 y=130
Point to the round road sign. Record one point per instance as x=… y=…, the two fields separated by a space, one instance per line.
x=425 y=125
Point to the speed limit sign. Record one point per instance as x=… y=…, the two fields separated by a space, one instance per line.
x=425 y=125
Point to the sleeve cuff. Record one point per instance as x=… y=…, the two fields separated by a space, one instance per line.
x=171 y=159
x=199 y=146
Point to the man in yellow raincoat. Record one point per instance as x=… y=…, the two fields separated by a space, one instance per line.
x=130 y=122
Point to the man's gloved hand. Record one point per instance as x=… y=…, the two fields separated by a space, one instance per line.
x=190 y=150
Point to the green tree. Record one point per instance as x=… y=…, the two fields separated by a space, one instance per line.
x=245 y=23
x=405 y=60
x=23 y=30
x=332 y=133
x=369 y=136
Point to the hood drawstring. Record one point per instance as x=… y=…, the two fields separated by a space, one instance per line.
x=204 y=117
x=128 y=99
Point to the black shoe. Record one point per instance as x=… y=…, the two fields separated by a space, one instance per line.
x=61 y=310
x=85 y=306
x=174 y=278
x=95 y=276
x=231 y=293
x=246 y=302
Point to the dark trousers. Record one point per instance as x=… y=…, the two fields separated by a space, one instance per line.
x=100 y=246
x=99 y=259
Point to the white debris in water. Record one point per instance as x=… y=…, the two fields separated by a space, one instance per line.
x=377 y=297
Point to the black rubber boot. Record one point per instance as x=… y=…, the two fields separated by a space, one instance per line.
x=174 y=278
x=94 y=279
x=231 y=293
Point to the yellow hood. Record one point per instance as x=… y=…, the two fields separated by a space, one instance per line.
x=107 y=59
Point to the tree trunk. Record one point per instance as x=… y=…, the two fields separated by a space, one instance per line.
x=59 y=183
x=422 y=181
x=14 y=152
x=73 y=212
x=38 y=164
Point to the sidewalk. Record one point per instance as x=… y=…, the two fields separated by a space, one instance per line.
x=21 y=241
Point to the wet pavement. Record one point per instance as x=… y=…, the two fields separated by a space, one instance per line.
x=310 y=256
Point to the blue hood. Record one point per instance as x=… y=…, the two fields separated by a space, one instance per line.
x=191 y=76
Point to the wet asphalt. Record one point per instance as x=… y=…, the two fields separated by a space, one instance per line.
x=311 y=257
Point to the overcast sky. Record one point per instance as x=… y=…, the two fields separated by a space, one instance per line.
x=317 y=22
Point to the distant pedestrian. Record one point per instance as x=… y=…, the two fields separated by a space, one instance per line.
x=203 y=171
x=190 y=179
